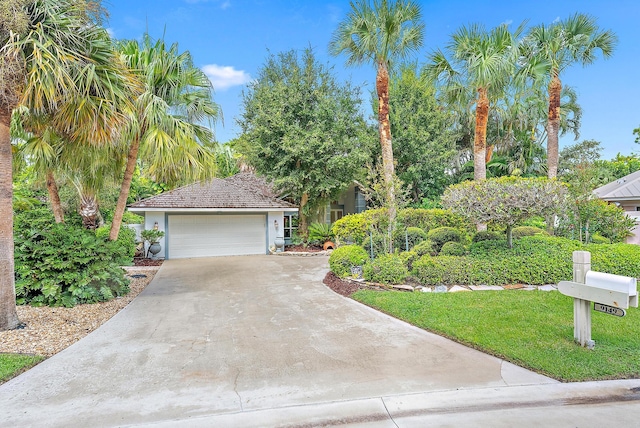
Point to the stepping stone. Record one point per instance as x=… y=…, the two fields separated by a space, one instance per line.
x=402 y=287
x=486 y=287
x=548 y=287
x=513 y=286
x=457 y=288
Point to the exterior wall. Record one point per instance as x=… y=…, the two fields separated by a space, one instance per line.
x=150 y=217
x=348 y=199
x=272 y=232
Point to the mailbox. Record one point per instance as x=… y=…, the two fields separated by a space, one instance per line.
x=623 y=284
x=605 y=288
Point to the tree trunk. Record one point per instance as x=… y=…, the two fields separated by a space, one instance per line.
x=384 y=128
x=303 y=231
x=480 y=142
x=121 y=205
x=89 y=211
x=480 y=139
x=54 y=197
x=8 y=314
x=553 y=125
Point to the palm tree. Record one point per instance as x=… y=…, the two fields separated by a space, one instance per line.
x=481 y=61
x=380 y=33
x=165 y=128
x=54 y=60
x=556 y=47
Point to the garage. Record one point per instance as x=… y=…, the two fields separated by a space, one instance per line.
x=194 y=235
x=233 y=216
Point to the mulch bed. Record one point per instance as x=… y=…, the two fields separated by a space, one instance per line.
x=340 y=286
x=140 y=261
x=303 y=248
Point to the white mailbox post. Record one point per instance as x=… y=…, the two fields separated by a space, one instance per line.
x=611 y=294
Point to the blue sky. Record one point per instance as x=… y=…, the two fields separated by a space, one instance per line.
x=230 y=39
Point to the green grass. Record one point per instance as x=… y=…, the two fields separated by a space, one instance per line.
x=12 y=365
x=533 y=329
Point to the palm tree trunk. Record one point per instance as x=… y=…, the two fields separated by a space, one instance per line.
x=384 y=127
x=89 y=211
x=553 y=126
x=8 y=314
x=480 y=139
x=124 y=189
x=54 y=198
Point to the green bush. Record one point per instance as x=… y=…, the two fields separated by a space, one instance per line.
x=484 y=235
x=63 y=265
x=132 y=218
x=532 y=260
x=380 y=244
x=520 y=231
x=412 y=235
x=425 y=247
x=124 y=248
x=354 y=228
x=386 y=269
x=427 y=219
x=599 y=239
x=345 y=257
x=441 y=235
x=319 y=233
x=453 y=249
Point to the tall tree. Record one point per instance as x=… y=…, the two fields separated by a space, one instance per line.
x=423 y=139
x=166 y=127
x=303 y=130
x=478 y=60
x=380 y=33
x=54 y=60
x=555 y=47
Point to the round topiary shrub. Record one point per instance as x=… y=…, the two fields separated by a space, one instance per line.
x=441 y=235
x=428 y=270
x=425 y=247
x=453 y=249
x=386 y=269
x=599 y=239
x=345 y=257
x=380 y=244
x=520 y=231
x=485 y=235
x=411 y=235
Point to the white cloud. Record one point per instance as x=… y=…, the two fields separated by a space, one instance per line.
x=111 y=33
x=223 y=4
x=224 y=77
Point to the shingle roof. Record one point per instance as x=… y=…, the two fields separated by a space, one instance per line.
x=243 y=190
x=627 y=187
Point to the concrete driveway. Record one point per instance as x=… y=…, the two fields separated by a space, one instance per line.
x=253 y=340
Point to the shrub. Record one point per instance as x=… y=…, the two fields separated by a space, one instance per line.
x=486 y=236
x=441 y=235
x=453 y=249
x=429 y=270
x=520 y=231
x=132 y=218
x=63 y=265
x=380 y=244
x=386 y=269
x=319 y=233
x=354 y=228
x=412 y=235
x=124 y=248
x=427 y=219
x=599 y=239
x=343 y=258
x=425 y=247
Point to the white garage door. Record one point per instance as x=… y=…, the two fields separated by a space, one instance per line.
x=216 y=235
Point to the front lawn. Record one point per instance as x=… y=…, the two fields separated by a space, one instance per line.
x=533 y=329
x=12 y=365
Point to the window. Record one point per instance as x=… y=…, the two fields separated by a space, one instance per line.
x=290 y=225
x=361 y=203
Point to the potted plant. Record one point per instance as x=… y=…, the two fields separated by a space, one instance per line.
x=152 y=236
x=320 y=233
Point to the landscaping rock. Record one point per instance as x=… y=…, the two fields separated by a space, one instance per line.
x=548 y=287
x=486 y=288
x=402 y=287
x=458 y=288
x=440 y=289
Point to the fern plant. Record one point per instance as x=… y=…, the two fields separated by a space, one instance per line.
x=319 y=233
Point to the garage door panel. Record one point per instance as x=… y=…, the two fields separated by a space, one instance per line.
x=216 y=235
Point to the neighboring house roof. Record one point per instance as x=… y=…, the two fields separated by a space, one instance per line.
x=242 y=191
x=625 y=188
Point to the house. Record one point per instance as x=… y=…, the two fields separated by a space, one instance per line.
x=625 y=193
x=237 y=215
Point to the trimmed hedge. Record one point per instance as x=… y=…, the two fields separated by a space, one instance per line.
x=343 y=258
x=386 y=269
x=520 y=231
x=453 y=249
x=533 y=260
x=485 y=235
x=412 y=235
x=442 y=235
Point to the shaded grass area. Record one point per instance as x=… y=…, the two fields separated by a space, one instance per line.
x=533 y=329
x=11 y=365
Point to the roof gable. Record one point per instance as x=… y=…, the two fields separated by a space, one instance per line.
x=625 y=188
x=241 y=191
